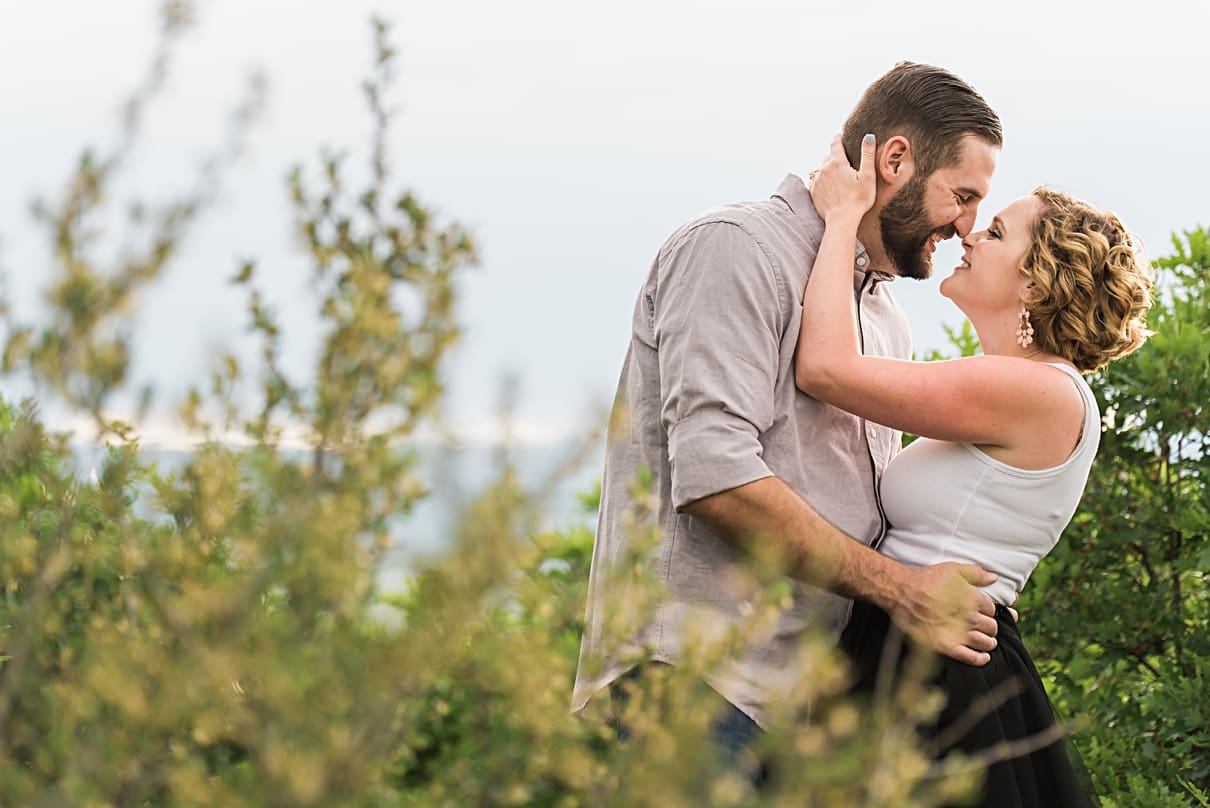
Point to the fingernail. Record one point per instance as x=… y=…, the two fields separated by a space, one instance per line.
x=868 y=139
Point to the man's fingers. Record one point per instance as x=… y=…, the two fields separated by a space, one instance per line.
x=986 y=605
x=968 y=655
x=978 y=641
x=986 y=625
x=976 y=575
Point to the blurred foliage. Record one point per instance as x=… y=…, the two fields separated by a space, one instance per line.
x=213 y=634
x=216 y=654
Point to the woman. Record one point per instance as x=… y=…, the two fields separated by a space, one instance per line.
x=1054 y=288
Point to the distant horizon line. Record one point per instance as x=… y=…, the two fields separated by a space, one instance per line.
x=165 y=435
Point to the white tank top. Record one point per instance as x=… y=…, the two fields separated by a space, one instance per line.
x=952 y=502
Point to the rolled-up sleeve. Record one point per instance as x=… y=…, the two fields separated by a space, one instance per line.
x=717 y=324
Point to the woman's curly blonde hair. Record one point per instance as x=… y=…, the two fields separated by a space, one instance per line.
x=1091 y=284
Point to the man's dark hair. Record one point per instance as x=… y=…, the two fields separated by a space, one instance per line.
x=930 y=106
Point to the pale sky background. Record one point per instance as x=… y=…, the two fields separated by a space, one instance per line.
x=572 y=139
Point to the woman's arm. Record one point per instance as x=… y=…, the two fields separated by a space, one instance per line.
x=975 y=400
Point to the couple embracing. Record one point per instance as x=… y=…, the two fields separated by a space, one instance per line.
x=766 y=388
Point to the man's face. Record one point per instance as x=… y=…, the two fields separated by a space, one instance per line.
x=930 y=209
x=908 y=235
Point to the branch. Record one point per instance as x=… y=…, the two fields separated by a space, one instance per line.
x=979 y=709
x=1004 y=750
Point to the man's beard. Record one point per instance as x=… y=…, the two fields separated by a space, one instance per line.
x=906 y=231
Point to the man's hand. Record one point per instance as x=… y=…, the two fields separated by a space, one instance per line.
x=941 y=608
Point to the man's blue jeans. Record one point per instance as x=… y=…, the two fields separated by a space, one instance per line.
x=732 y=732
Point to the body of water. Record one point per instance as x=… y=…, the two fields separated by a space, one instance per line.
x=452 y=475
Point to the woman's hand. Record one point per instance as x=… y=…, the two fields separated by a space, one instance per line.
x=838 y=190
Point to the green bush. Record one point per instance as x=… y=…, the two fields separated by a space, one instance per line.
x=1119 y=610
x=224 y=650
x=213 y=634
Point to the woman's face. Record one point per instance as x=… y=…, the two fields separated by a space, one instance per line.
x=989 y=280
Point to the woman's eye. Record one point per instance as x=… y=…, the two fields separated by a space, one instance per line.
x=993 y=232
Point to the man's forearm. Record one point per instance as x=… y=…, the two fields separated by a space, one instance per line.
x=767 y=517
x=939 y=606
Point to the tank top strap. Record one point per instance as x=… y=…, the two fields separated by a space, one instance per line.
x=1092 y=413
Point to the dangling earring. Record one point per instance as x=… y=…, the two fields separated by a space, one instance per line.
x=1025 y=331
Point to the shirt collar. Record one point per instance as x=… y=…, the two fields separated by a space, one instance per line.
x=793 y=191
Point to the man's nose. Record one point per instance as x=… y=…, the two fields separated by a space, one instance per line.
x=965 y=221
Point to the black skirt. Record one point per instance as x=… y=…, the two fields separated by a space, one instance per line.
x=1051 y=775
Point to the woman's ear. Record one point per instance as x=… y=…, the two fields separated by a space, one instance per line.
x=1028 y=292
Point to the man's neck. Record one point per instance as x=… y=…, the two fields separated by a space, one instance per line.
x=871 y=239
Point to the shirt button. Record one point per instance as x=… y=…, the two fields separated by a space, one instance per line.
x=861 y=261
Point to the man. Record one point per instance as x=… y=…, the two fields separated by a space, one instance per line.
x=745 y=465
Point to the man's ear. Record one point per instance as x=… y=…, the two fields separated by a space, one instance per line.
x=895 y=164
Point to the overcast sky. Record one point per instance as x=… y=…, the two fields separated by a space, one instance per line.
x=572 y=139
